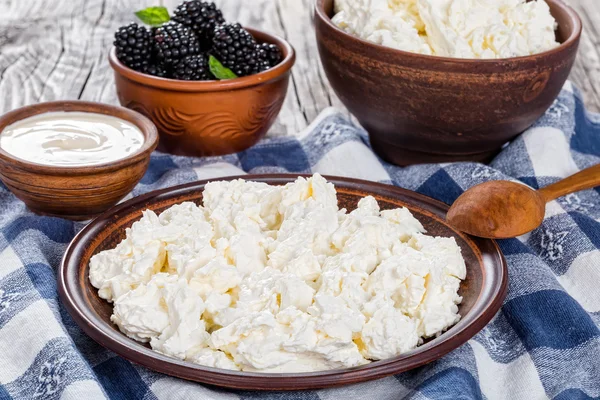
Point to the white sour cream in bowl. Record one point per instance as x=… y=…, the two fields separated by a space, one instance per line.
x=71 y=139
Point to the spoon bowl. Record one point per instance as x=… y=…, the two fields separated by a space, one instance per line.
x=505 y=209
x=497 y=209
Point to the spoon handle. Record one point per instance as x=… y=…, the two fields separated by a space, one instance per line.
x=585 y=179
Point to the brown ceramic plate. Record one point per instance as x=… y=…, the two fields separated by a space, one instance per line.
x=483 y=291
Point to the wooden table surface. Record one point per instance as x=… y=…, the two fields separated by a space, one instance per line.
x=57 y=49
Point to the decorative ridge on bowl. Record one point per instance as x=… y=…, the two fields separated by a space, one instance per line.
x=146 y=126
x=570 y=41
x=277 y=72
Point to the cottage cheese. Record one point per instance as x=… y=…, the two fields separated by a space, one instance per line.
x=452 y=28
x=278 y=279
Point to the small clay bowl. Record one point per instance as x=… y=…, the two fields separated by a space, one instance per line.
x=205 y=118
x=419 y=108
x=77 y=193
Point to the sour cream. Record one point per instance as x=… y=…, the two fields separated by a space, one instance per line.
x=71 y=139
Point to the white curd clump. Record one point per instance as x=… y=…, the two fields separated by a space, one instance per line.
x=452 y=28
x=278 y=279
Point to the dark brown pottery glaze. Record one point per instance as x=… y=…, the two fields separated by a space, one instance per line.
x=78 y=193
x=420 y=108
x=208 y=117
x=483 y=291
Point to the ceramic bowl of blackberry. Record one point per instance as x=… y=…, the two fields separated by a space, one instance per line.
x=427 y=108
x=211 y=87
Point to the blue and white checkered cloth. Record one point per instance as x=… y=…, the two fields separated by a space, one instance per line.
x=544 y=343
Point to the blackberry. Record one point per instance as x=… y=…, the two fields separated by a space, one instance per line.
x=132 y=43
x=269 y=55
x=156 y=70
x=236 y=49
x=174 y=41
x=202 y=17
x=192 y=68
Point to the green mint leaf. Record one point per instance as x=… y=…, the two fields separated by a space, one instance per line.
x=153 y=16
x=219 y=70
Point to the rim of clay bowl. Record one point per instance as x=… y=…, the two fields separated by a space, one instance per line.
x=573 y=37
x=141 y=122
x=289 y=58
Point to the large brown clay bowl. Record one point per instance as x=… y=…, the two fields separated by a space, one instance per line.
x=420 y=108
x=203 y=118
x=483 y=290
x=77 y=193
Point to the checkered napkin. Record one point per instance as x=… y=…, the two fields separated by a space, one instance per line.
x=544 y=343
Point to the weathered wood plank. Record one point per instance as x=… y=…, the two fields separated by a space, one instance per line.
x=586 y=71
x=264 y=14
x=57 y=49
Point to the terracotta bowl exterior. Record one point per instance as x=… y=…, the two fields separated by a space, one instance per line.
x=77 y=193
x=205 y=118
x=483 y=290
x=420 y=108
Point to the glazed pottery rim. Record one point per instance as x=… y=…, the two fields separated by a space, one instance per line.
x=483 y=309
x=573 y=37
x=289 y=58
x=144 y=124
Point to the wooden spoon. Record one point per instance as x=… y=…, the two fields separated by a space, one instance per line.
x=503 y=209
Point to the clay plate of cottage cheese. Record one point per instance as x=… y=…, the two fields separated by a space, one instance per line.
x=280 y=282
